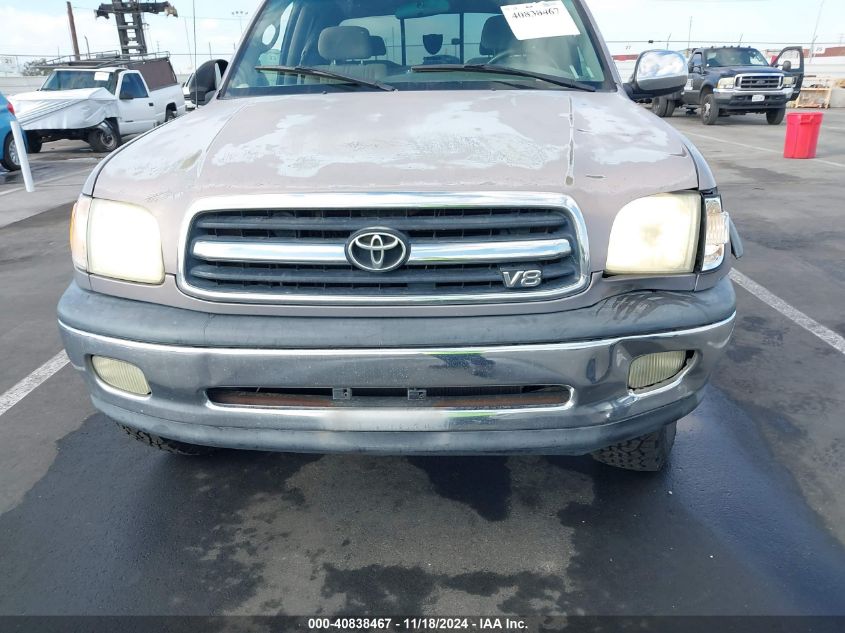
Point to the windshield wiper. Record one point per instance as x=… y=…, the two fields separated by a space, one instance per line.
x=328 y=74
x=505 y=70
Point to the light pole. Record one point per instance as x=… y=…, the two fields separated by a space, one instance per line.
x=240 y=15
x=816 y=30
x=87 y=47
x=689 y=33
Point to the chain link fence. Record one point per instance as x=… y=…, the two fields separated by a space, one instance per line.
x=19 y=73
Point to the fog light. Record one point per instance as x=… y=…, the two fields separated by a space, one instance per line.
x=652 y=369
x=121 y=375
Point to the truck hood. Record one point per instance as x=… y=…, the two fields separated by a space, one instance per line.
x=749 y=70
x=63 y=109
x=538 y=140
x=599 y=148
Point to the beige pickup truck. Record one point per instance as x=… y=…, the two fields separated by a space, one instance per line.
x=436 y=227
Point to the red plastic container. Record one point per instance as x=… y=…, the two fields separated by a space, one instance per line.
x=802 y=134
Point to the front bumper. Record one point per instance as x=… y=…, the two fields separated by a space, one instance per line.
x=744 y=99
x=601 y=410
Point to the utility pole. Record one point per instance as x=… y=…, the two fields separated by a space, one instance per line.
x=816 y=31
x=73 y=31
x=689 y=34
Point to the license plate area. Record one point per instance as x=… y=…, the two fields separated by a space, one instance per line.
x=758 y=98
x=480 y=397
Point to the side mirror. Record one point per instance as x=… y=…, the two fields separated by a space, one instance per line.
x=203 y=85
x=207 y=98
x=657 y=73
x=697 y=69
x=126 y=94
x=787 y=66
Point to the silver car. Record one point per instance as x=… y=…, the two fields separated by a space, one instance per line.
x=430 y=227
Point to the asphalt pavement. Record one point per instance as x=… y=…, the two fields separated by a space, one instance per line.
x=749 y=517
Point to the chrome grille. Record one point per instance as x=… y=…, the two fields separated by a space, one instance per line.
x=759 y=82
x=458 y=252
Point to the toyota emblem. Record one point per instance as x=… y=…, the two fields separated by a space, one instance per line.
x=377 y=250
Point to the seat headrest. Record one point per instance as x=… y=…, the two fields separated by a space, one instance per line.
x=433 y=42
x=496 y=36
x=344 y=42
x=377 y=46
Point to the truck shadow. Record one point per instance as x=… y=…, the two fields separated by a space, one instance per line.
x=116 y=528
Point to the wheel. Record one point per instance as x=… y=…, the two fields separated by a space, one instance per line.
x=709 y=110
x=659 y=106
x=169 y=114
x=775 y=117
x=648 y=453
x=10 y=159
x=165 y=444
x=670 y=107
x=104 y=138
x=34 y=143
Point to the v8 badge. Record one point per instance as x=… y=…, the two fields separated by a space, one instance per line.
x=522 y=278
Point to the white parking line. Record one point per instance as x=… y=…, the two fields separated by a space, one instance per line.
x=32 y=382
x=44 y=182
x=790 y=312
x=758 y=148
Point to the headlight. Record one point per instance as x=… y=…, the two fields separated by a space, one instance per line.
x=788 y=81
x=79 y=232
x=655 y=235
x=717 y=236
x=727 y=83
x=116 y=239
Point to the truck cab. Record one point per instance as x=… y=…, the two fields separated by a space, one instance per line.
x=730 y=80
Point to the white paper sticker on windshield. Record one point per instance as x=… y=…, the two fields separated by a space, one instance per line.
x=539 y=19
x=101 y=76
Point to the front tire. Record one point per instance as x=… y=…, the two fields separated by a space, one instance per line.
x=10 y=158
x=34 y=143
x=104 y=139
x=775 y=117
x=659 y=105
x=709 y=110
x=646 y=453
x=165 y=444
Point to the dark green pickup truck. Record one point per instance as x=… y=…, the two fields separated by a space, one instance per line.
x=737 y=80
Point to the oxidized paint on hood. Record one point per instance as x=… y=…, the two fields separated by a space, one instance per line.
x=599 y=148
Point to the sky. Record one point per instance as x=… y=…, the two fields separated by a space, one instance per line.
x=39 y=27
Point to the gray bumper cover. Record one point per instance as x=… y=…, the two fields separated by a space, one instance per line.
x=602 y=410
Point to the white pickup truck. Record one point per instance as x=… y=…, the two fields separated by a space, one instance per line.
x=101 y=104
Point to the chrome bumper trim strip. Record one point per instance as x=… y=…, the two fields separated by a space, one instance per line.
x=421 y=253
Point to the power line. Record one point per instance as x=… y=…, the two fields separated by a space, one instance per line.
x=181 y=15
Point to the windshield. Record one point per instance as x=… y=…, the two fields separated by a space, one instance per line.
x=381 y=41
x=76 y=79
x=735 y=57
